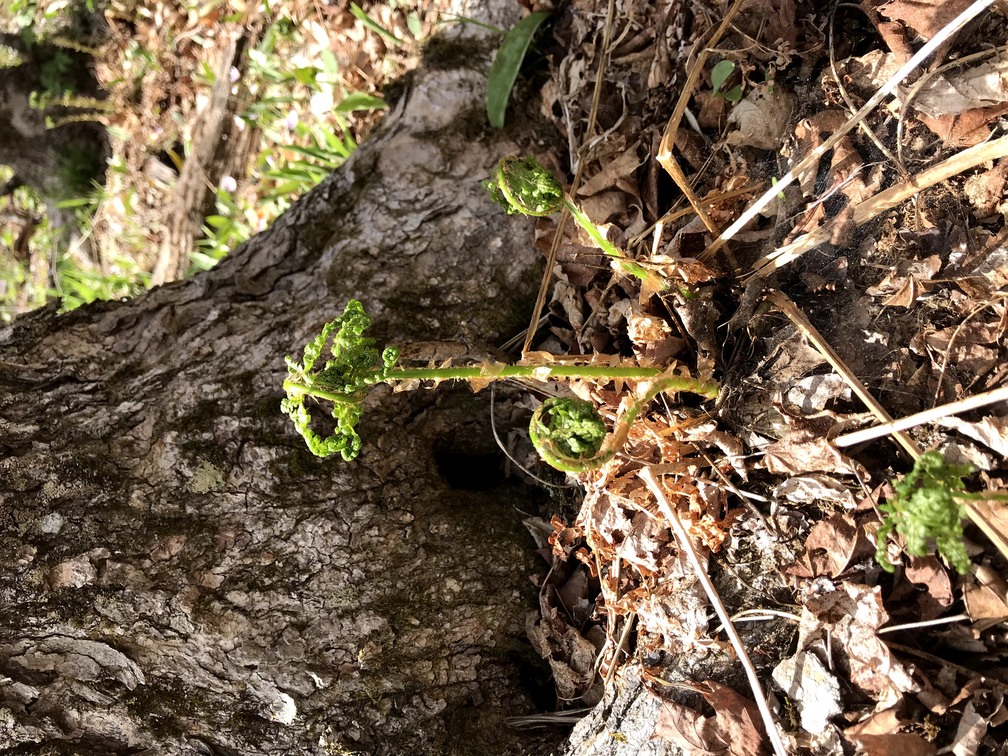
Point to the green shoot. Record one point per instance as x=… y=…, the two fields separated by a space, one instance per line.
x=564 y=434
x=522 y=185
x=928 y=505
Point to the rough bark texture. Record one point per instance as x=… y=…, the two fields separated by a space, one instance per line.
x=180 y=575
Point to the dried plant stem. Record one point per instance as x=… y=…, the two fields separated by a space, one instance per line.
x=884 y=91
x=885 y=200
x=686 y=544
x=784 y=304
x=927 y=416
x=664 y=156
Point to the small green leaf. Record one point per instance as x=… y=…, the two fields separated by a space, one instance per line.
x=360 y=101
x=720 y=74
x=734 y=94
x=507 y=63
x=361 y=15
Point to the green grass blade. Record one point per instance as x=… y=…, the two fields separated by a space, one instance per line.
x=360 y=101
x=507 y=62
x=361 y=15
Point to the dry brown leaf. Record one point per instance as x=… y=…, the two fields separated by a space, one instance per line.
x=981 y=86
x=760 y=120
x=615 y=172
x=938 y=595
x=986 y=595
x=801 y=452
x=992 y=431
x=903 y=285
x=831 y=546
x=687 y=729
x=850 y=616
x=879 y=735
x=737 y=721
x=964 y=129
x=734 y=729
x=924 y=17
x=986 y=190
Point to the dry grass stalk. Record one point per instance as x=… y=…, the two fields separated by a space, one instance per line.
x=784 y=304
x=885 y=200
x=812 y=159
x=664 y=156
x=927 y=416
x=686 y=544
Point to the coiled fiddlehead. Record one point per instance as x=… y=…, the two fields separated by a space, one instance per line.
x=522 y=185
x=570 y=434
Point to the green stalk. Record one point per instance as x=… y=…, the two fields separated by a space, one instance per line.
x=357 y=366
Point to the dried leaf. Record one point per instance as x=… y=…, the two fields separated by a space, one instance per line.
x=925 y=18
x=812 y=687
x=992 y=431
x=800 y=452
x=760 y=120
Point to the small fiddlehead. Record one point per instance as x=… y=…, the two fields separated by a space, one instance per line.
x=570 y=434
x=522 y=185
x=356 y=365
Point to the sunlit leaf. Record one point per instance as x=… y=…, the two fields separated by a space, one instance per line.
x=507 y=63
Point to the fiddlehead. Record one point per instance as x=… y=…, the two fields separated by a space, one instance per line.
x=522 y=185
x=570 y=434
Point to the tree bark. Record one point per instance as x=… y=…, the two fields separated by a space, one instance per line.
x=181 y=576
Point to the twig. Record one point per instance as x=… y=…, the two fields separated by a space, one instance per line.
x=885 y=200
x=927 y=416
x=783 y=303
x=813 y=157
x=686 y=544
x=925 y=623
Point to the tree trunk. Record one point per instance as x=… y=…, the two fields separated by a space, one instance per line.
x=180 y=575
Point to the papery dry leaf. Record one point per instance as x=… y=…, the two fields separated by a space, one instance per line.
x=938 y=595
x=814 y=392
x=761 y=118
x=813 y=688
x=981 y=86
x=926 y=17
x=851 y=616
x=801 y=452
x=831 y=546
x=615 y=172
x=732 y=730
x=903 y=285
x=816 y=487
x=687 y=729
x=964 y=129
x=986 y=190
x=970 y=732
x=985 y=595
x=992 y=431
x=737 y=720
x=879 y=735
